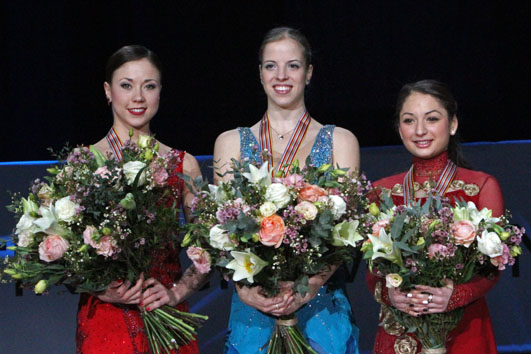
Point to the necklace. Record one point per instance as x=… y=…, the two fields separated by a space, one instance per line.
x=293 y=144
x=281 y=136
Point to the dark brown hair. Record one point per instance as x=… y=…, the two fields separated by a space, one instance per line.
x=130 y=53
x=442 y=93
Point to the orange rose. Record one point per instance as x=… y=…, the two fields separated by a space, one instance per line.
x=311 y=193
x=464 y=232
x=272 y=230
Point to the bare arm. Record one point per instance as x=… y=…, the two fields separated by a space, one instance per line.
x=346 y=150
x=191 y=169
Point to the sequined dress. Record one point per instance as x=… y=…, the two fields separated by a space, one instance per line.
x=474 y=333
x=326 y=320
x=108 y=328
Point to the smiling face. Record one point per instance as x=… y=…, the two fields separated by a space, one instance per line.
x=284 y=73
x=135 y=94
x=424 y=125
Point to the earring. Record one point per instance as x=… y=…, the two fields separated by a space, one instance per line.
x=307 y=82
x=108 y=101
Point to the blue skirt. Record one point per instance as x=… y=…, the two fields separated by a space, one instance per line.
x=326 y=321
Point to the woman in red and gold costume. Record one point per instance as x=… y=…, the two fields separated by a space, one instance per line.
x=110 y=321
x=427 y=124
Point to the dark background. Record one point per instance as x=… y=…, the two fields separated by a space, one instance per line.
x=53 y=54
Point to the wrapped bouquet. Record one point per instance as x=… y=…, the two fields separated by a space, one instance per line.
x=434 y=242
x=96 y=220
x=264 y=231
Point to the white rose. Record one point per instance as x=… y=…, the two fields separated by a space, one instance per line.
x=279 y=194
x=268 y=209
x=489 y=244
x=65 y=209
x=393 y=280
x=25 y=238
x=339 y=207
x=219 y=238
x=307 y=210
x=131 y=169
x=25 y=224
x=144 y=141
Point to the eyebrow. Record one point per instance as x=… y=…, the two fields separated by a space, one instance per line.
x=146 y=80
x=429 y=112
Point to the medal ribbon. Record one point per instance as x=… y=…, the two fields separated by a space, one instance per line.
x=115 y=144
x=293 y=146
x=444 y=181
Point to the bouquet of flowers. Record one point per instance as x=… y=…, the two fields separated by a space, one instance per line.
x=96 y=220
x=264 y=231
x=426 y=244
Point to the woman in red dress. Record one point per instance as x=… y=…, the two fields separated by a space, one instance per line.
x=110 y=322
x=427 y=124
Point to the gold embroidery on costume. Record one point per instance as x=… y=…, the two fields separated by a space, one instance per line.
x=470 y=189
x=405 y=345
x=388 y=322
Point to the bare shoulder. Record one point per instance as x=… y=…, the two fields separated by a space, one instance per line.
x=103 y=146
x=190 y=162
x=163 y=148
x=228 y=137
x=345 y=136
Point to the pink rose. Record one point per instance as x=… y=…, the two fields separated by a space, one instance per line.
x=105 y=247
x=311 y=193
x=437 y=251
x=103 y=172
x=200 y=258
x=87 y=236
x=272 y=230
x=464 y=232
x=52 y=248
x=382 y=224
x=293 y=180
x=160 y=177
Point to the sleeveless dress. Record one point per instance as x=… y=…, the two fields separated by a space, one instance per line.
x=109 y=328
x=474 y=333
x=326 y=320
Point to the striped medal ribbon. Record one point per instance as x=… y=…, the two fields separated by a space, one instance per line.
x=115 y=144
x=293 y=145
x=444 y=181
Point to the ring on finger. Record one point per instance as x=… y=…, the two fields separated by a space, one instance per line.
x=276 y=306
x=430 y=298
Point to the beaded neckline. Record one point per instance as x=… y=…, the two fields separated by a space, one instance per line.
x=430 y=167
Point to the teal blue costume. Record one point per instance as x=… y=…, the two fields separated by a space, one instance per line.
x=326 y=320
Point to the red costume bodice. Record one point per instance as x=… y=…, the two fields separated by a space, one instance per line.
x=473 y=333
x=108 y=328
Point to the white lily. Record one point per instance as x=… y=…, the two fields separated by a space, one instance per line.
x=259 y=175
x=218 y=193
x=48 y=222
x=383 y=242
x=471 y=213
x=245 y=265
x=346 y=234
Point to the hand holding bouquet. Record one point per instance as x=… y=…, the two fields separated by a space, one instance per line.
x=97 y=220
x=431 y=245
x=264 y=231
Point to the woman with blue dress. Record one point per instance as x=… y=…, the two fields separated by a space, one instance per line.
x=287 y=133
